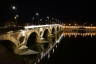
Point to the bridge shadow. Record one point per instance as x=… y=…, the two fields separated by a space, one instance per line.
x=7 y=55
x=32 y=42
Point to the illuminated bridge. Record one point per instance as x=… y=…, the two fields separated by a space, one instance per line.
x=32 y=39
x=40 y=40
x=37 y=39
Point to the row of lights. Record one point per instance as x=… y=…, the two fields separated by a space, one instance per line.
x=74 y=25
x=77 y=34
x=14 y=9
x=37 y=15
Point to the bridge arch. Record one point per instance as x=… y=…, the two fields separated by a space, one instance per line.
x=57 y=28
x=32 y=38
x=53 y=31
x=33 y=42
x=53 y=35
x=46 y=33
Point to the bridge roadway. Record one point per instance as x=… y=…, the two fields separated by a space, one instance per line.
x=32 y=39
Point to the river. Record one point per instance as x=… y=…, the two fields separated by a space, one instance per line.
x=80 y=49
x=75 y=50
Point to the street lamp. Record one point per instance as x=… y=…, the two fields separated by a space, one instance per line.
x=69 y=24
x=75 y=24
x=40 y=21
x=14 y=11
x=16 y=16
x=37 y=15
x=13 y=7
x=48 y=18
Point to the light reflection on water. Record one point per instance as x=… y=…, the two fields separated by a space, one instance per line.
x=29 y=60
x=80 y=49
x=78 y=34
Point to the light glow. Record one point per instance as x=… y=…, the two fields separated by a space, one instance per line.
x=13 y=7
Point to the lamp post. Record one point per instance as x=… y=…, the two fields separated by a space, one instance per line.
x=48 y=19
x=15 y=15
x=13 y=8
x=40 y=21
x=37 y=16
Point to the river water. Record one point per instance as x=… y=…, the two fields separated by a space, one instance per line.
x=80 y=49
x=75 y=50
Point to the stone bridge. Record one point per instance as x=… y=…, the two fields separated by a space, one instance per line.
x=31 y=39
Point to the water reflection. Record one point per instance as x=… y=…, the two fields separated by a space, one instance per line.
x=70 y=34
x=75 y=50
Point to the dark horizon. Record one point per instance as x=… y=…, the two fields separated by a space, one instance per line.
x=79 y=11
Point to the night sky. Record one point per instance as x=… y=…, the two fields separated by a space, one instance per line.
x=67 y=10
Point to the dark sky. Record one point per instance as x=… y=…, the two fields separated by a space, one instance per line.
x=68 y=9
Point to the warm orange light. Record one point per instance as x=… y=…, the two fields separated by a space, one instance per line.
x=75 y=24
x=69 y=24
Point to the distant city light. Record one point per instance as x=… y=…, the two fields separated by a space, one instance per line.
x=75 y=24
x=40 y=19
x=53 y=50
x=37 y=14
x=13 y=7
x=33 y=18
x=69 y=24
x=56 y=46
x=47 y=17
x=16 y=16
